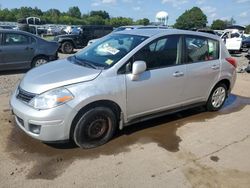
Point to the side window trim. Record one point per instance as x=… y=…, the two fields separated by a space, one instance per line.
x=5 y=35
x=157 y=40
x=201 y=37
x=180 y=50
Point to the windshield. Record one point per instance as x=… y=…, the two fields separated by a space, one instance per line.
x=107 y=51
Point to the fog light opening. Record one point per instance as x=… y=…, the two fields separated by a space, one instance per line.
x=35 y=128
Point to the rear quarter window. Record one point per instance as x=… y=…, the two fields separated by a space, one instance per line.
x=200 y=49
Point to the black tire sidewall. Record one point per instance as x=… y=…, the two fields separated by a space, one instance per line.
x=63 y=47
x=82 y=126
x=209 y=104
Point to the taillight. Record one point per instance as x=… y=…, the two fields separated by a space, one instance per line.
x=232 y=61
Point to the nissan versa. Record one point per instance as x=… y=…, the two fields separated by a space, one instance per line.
x=123 y=78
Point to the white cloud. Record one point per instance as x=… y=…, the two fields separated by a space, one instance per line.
x=225 y=18
x=127 y=1
x=213 y=15
x=243 y=14
x=137 y=8
x=242 y=1
x=175 y=3
x=95 y=4
x=208 y=9
x=200 y=2
x=108 y=1
x=100 y=2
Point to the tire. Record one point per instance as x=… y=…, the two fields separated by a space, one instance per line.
x=40 y=60
x=96 y=127
x=217 y=97
x=67 y=47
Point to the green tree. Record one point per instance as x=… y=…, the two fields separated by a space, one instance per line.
x=100 y=13
x=193 y=18
x=143 y=21
x=247 y=29
x=219 y=24
x=52 y=16
x=120 y=21
x=74 y=12
x=230 y=22
x=95 y=20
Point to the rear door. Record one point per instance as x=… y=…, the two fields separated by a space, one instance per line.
x=17 y=50
x=203 y=67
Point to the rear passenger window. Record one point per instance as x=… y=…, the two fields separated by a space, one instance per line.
x=201 y=49
x=16 y=39
x=162 y=52
x=213 y=49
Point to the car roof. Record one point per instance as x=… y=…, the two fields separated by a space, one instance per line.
x=159 y=31
x=20 y=32
x=14 y=31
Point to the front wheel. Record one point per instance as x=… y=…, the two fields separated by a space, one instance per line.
x=95 y=128
x=217 y=97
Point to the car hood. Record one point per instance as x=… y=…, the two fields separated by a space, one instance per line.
x=56 y=74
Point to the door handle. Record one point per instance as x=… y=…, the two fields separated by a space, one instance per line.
x=28 y=48
x=215 y=67
x=178 y=74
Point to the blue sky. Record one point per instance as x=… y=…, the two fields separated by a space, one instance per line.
x=136 y=9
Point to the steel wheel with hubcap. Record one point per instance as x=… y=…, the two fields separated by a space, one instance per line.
x=39 y=61
x=95 y=127
x=217 y=97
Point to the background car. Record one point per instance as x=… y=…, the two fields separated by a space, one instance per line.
x=72 y=41
x=245 y=44
x=22 y=50
x=130 y=27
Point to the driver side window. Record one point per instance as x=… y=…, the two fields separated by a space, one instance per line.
x=162 y=52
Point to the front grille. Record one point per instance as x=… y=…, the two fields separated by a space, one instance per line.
x=24 y=95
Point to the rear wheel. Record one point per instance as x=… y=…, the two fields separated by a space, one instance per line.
x=95 y=128
x=40 y=60
x=217 y=97
x=67 y=47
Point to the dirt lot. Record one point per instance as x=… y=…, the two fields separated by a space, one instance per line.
x=188 y=149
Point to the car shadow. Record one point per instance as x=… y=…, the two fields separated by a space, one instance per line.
x=9 y=72
x=233 y=103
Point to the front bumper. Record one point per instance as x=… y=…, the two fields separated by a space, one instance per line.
x=54 y=124
x=53 y=57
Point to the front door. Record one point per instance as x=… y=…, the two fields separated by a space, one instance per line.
x=17 y=51
x=161 y=86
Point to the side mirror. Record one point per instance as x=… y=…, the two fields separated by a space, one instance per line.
x=138 y=68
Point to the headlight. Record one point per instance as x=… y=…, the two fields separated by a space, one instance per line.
x=51 y=99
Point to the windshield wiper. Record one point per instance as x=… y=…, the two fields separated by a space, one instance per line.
x=85 y=63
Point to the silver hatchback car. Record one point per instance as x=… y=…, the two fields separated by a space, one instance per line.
x=123 y=78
